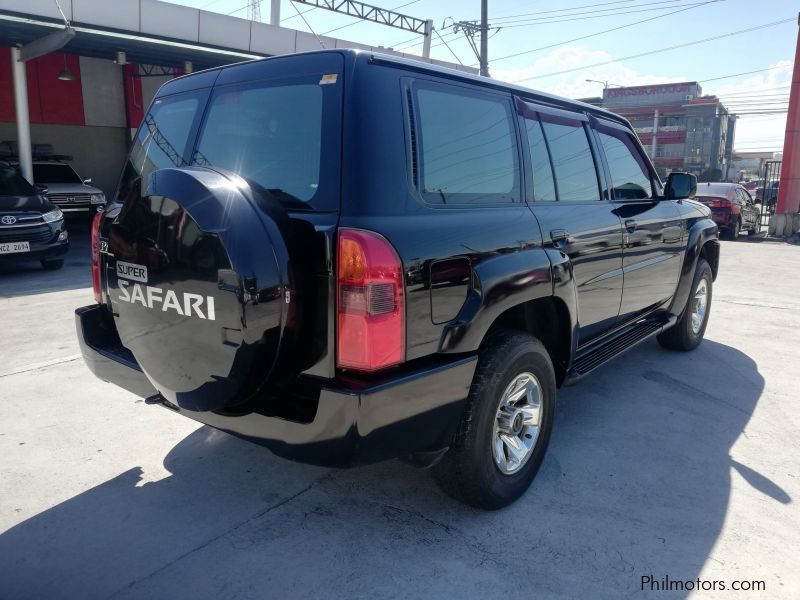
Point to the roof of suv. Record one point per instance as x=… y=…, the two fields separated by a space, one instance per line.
x=417 y=65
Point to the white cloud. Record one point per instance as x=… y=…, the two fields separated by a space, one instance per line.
x=574 y=85
x=757 y=131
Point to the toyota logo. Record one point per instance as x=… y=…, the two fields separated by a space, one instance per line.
x=8 y=220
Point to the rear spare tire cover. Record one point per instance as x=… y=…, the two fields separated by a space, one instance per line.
x=200 y=285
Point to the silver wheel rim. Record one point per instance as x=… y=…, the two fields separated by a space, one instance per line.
x=517 y=423
x=699 y=306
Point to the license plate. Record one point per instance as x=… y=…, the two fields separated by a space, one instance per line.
x=14 y=247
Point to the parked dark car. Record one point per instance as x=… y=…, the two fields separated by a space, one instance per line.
x=31 y=227
x=732 y=208
x=350 y=257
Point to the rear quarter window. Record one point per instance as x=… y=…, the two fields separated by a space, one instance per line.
x=467 y=146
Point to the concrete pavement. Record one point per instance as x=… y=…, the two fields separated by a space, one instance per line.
x=662 y=464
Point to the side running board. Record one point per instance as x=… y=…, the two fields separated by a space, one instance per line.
x=598 y=355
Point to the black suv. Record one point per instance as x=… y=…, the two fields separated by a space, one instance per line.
x=349 y=257
x=31 y=227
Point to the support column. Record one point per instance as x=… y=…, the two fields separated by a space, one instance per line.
x=786 y=220
x=655 y=133
x=426 y=42
x=275 y=13
x=20 y=80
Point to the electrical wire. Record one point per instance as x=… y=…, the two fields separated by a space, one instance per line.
x=584 y=37
x=311 y=29
x=659 y=50
x=580 y=16
x=448 y=47
x=746 y=73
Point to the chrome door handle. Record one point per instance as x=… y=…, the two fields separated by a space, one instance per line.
x=630 y=225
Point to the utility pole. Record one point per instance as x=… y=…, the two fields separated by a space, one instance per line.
x=254 y=10
x=484 y=57
x=473 y=28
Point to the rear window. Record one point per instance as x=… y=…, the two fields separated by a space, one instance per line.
x=282 y=136
x=55 y=173
x=715 y=189
x=271 y=136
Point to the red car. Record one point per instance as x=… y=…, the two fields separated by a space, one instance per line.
x=732 y=208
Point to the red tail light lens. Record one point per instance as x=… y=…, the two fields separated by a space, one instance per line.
x=96 y=256
x=370 y=303
x=714 y=202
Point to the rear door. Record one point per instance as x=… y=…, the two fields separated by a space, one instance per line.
x=749 y=211
x=576 y=217
x=652 y=230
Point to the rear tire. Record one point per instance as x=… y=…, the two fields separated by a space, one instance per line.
x=756 y=227
x=488 y=465
x=734 y=230
x=688 y=332
x=53 y=264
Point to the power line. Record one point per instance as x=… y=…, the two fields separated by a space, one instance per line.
x=579 y=17
x=667 y=49
x=747 y=72
x=436 y=31
x=583 y=37
x=299 y=14
x=755 y=92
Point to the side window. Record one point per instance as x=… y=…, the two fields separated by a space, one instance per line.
x=543 y=184
x=573 y=164
x=744 y=196
x=468 y=148
x=630 y=176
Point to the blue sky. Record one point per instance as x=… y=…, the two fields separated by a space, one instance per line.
x=526 y=26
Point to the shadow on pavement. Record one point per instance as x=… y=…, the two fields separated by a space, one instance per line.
x=636 y=482
x=27 y=277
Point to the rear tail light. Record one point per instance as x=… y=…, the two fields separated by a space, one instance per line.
x=370 y=303
x=721 y=204
x=96 y=256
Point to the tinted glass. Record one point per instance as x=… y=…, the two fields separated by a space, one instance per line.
x=54 y=173
x=543 y=187
x=723 y=190
x=630 y=176
x=162 y=141
x=270 y=135
x=13 y=184
x=468 y=147
x=573 y=164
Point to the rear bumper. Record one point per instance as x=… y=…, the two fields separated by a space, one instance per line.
x=413 y=412
x=722 y=217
